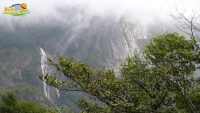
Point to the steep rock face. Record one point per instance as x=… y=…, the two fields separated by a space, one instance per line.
x=104 y=41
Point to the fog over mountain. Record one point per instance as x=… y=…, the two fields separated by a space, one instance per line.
x=140 y=10
x=97 y=32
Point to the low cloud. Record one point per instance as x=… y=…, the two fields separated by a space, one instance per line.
x=145 y=11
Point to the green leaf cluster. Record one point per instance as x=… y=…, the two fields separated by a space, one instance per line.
x=162 y=79
x=10 y=104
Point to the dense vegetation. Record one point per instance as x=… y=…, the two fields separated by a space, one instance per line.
x=10 y=104
x=161 y=79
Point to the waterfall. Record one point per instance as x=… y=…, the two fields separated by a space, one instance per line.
x=46 y=69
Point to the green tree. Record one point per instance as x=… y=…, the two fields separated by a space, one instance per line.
x=160 y=80
x=10 y=104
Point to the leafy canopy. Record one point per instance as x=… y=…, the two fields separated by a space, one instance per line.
x=162 y=79
x=10 y=104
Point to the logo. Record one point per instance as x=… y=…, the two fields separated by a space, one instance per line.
x=16 y=9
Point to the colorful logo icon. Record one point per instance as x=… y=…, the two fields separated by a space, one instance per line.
x=16 y=9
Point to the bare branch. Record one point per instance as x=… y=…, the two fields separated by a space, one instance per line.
x=188 y=25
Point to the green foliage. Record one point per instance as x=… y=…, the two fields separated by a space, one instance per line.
x=10 y=104
x=92 y=107
x=160 y=80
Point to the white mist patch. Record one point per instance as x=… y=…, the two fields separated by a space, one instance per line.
x=143 y=11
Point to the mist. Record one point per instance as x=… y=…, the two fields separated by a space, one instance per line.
x=141 y=11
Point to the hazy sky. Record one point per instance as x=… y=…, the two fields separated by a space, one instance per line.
x=143 y=10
